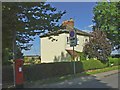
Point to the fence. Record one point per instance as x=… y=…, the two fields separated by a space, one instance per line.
x=7 y=75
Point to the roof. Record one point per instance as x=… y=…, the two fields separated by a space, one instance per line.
x=71 y=52
x=56 y=33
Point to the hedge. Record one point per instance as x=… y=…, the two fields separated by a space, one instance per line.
x=114 y=61
x=93 y=64
x=50 y=70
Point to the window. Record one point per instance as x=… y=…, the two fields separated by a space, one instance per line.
x=68 y=40
x=86 y=40
x=78 y=41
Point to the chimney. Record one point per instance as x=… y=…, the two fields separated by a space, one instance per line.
x=68 y=23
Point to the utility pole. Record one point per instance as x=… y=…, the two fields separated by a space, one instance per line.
x=73 y=44
x=74 y=62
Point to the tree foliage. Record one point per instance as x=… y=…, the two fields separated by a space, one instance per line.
x=107 y=19
x=27 y=20
x=98 y=46
x=7 y=57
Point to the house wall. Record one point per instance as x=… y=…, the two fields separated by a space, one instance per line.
x=54 y=51
x=81 y=43
x=50 y=51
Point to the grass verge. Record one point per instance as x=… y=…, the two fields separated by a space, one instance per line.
x=103 y=70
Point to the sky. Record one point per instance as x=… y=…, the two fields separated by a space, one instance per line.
x=81 y=12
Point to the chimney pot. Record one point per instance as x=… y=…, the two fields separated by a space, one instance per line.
x=68 y=23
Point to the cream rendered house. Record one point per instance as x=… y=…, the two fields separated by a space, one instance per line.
x=56 y=48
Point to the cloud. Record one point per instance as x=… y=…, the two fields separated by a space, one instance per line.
x=108 y=0
x=88 y=31
x=90 y=26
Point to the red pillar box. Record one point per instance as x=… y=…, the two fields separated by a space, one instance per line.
x=19 y=73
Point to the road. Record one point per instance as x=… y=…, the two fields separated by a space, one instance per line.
x=96 y=81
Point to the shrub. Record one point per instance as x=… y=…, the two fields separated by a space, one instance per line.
x=93 y=64
x=81 y=56
x=114 y=61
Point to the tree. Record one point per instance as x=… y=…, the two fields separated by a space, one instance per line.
x=106 y=18
x=7 y=56
x=27 y=20
x=98 y=46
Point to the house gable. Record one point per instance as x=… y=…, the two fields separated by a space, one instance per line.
x=54 y=45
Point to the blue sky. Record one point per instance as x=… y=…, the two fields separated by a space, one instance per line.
x=81 y=12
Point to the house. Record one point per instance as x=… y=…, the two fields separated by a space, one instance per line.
x=55 y=46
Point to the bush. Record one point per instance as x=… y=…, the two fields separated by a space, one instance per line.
x=114 y=61
x=93 y=64
x=81 y=56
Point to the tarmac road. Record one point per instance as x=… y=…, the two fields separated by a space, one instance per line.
x=101 y=80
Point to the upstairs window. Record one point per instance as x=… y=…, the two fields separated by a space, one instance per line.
x=86 y=40
x=68 y=40
x=78 y=41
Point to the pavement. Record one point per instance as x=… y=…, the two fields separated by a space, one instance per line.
x=105 y=74
x=102 y=80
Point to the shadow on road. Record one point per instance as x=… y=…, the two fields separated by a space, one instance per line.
x=75 y=82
